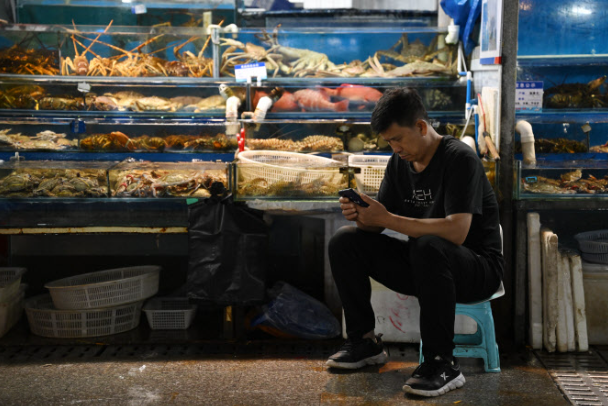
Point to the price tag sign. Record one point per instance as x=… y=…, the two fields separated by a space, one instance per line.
x=84 y=87
x=529 y=97
x=248 y=70
x=139 y=9
x=78 y=126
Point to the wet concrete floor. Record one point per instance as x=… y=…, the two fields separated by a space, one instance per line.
x=160 y=375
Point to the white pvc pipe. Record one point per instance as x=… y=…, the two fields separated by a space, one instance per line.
x=263 y=106
x=232 y=108
x=527 y=142
x=232 y=112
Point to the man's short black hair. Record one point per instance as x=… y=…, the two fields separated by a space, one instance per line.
x=402 y=105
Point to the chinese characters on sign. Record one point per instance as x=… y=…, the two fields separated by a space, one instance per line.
x=257 y=70
x=529 y=97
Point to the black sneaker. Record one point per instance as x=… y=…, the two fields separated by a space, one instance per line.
x=357 y=353
x=435 y=377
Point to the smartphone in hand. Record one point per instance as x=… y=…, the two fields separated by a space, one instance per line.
x=353 y=196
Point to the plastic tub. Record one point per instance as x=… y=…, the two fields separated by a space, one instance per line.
x=595 y=282
x=105 y=288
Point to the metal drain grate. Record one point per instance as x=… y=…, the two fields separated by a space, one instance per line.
x=583 y=378
x=148 y=351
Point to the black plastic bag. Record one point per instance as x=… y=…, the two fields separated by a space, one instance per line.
x=293 y=313
x=228 y=247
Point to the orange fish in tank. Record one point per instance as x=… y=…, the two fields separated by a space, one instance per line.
x=354 y=93
x=287 y=102
x=315 y=100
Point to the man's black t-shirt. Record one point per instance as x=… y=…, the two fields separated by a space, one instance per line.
x=453 y=182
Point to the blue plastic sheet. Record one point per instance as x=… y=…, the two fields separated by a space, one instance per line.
x=465 y=14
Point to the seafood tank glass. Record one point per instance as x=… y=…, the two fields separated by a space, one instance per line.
x=37 y=135
x=108 y=51
x=171 y=12
x=331 y=97
x=110 y=135
x=135 y=52
x=568 y=84
x=158 y=136
x=134 y=178
x=342 y=52
x=559 y=179
x=312 y=136
x=288 y=175
x=54 y=179
x=29 y=50
x=331 y=135
x=115 y=97
x=571 y=133
x=562 y=27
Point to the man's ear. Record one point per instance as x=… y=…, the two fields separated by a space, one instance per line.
x=423 y=126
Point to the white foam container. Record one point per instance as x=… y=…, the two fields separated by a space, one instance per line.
x=595 y=282
x=398 y=316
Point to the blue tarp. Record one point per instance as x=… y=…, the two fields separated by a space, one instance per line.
x=465 y=14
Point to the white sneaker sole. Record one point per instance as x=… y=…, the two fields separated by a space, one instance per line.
x=376 y=359
x=455 y=383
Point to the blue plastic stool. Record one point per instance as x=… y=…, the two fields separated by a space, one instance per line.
x=481 y=344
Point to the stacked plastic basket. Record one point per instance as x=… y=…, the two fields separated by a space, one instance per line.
x=11 y=297
x=93 y=304
x=370 y=171
x=593 y=246
x=168 y=313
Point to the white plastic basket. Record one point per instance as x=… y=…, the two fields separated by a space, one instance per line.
x=11 y=310
x=105 y=288
x=167 y=313
x=47 y=321
x=593 y=242
x=10 y=278
x=275 y=166
x=372 y=171
x=595 y=258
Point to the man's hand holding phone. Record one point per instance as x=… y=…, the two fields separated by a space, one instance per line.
x=353 y=196
x=367 y=212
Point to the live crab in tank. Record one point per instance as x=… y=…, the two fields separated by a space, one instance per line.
x=54 y=183
x=572 y=182
x=164 y=183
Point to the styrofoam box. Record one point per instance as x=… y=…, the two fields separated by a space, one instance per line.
x=398 y=316
x=595 y=283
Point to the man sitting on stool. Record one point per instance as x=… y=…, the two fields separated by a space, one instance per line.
x=436 y=192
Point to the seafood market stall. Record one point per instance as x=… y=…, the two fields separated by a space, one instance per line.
x=162 y=112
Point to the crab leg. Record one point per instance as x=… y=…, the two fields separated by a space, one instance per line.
x=103 y=43
x=96 y=38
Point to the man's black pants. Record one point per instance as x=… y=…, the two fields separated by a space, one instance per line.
x=436 y=271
